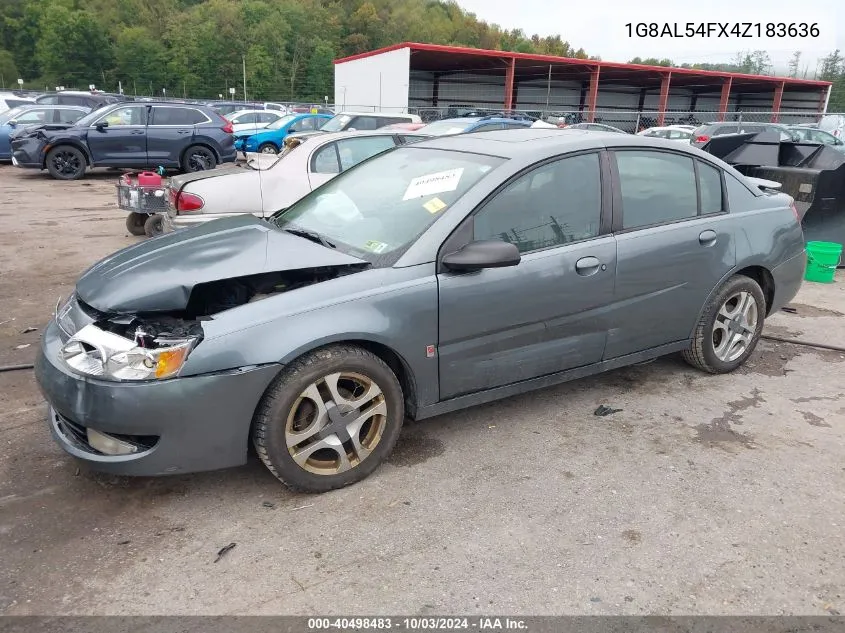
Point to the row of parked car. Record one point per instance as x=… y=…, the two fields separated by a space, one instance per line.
x=827 y=132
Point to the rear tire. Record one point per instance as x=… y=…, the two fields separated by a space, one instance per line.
x=268 y=148
x=66 y=162
x=198 y=158
x=343 y=392
x=729 y=327
x=135 y=223
x=154 y=225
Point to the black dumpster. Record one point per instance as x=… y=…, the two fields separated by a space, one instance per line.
x=813 y=174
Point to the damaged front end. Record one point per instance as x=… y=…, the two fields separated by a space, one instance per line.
x=125 y=348
x=155 y=346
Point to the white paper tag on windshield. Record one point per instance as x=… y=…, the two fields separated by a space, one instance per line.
x=434 y=183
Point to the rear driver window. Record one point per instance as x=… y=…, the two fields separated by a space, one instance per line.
x=710 y=184
x=177 y=116
x=657 y=187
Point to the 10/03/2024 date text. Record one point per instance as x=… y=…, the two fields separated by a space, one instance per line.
x=722 y=29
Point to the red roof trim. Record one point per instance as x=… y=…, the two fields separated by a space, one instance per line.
x=462 y=50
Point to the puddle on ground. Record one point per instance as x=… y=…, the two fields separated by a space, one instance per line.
x=803 y=310
x=719 y=431
x=770 y=358
x=814 y=420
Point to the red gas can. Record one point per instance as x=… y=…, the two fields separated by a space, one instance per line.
x=149 y=179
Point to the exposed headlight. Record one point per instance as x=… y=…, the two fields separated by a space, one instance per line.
x=96 y=352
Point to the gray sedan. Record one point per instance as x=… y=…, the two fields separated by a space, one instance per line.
x=429 y=278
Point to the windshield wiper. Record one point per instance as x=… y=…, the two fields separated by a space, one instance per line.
x=311 y=235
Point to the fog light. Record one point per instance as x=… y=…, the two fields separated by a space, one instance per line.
x=109 y=445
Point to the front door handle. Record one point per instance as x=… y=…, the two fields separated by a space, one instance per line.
x=587 y=266
x=137 y=132
x=183 y=131
x=707 y=238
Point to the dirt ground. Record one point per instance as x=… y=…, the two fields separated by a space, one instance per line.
x=703 y=495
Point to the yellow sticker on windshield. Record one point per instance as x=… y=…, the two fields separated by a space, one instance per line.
x=375 y=247
x=434 y=205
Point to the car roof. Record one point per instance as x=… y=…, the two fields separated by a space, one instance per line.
x=352 y=113
x=248 y=111
x=332 y=136
x=668 y=127
x=536 y=142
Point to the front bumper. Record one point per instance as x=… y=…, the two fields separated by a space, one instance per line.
x=27 y=154
x=188 y=424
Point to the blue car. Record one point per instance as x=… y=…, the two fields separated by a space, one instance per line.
x=25 y=116
x=465 y=124
x=271 y=139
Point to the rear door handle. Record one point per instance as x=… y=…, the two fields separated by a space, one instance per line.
x=183 y=131
x=137 y=132
x=707 y=238
x=587 y=266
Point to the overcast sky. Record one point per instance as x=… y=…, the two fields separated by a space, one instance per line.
x=599 y=27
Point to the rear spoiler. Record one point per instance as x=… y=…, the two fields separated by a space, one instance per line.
x=768 y=186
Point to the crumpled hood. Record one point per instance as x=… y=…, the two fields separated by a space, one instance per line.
x=158 y=275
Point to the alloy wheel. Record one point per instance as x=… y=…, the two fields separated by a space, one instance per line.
x=735 y=325
x=336 y=423
x=200 y=160
x=268 y=149
x=66 y=162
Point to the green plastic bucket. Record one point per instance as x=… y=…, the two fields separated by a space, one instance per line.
x=822 y=260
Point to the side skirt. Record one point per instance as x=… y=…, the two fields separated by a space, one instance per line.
x=514 y=389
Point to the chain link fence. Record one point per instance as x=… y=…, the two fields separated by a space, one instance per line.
x=627 y=120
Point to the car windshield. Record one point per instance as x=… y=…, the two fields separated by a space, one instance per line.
x=382 y=205
x=281 y=122
x=442 y=128
x=336 y=123
x=11 y=114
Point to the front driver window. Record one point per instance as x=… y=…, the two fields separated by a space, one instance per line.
x=555 y=204
x=133 y=115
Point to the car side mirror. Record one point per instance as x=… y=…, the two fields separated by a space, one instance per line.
x=351 y=129
x=101 y=125
x=12 y=123
x=482 y=254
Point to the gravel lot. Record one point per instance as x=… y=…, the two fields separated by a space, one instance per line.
x=704 y=495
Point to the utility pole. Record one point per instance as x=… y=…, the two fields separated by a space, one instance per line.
x=243 y=59
x=548 y=89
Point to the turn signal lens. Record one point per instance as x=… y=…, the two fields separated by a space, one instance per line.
x=170 y=361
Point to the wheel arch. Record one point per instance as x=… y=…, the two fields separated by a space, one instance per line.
x=393 y=359
x=67 y=141
x=199 y=143
x=756 y=271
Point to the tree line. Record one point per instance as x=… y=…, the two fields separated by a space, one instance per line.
x=198 y=48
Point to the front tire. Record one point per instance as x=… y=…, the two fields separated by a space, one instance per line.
x=66 y=162
x=268 y=148
x=730 y=327
x=329 y=419
x=198 y=158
